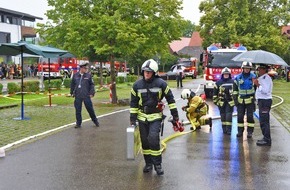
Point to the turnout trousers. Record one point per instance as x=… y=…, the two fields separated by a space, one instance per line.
x=150 y=139
x=248 y=109
x=226 y=112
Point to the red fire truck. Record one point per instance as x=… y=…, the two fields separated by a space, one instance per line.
x=57 y=67
x=215 y=59
x=190 y=66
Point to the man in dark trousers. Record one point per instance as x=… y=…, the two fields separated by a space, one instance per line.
x=83 y=89
x=179 y=76
x=146 y=107
x=264 y=97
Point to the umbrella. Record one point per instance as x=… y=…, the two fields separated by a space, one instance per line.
x=14 y=49
x=260 y=56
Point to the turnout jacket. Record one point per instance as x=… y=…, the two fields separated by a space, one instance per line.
x=244 y=89
x=82 y=86
x=223 y=92
x=145 y=96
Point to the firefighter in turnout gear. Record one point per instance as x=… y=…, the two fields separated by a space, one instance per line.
x=223 y=98
x=146 y=94
x=195 y=110
x=244 y=92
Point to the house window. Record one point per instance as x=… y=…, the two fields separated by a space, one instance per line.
x=288 y=31
x=9 y=20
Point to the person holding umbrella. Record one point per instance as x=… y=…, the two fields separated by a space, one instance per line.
x=264 y=97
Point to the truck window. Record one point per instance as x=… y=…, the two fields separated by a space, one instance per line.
x=224 y=59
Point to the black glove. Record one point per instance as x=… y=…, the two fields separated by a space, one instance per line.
x=176 y=119
x=133 y=123
x=184 y=108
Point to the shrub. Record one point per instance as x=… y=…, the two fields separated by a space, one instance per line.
x=1 y=88
x=132 y=78
x=67 y=82
x=13 y=87
x=53 y=84
x=120 y=79
x=31 y=86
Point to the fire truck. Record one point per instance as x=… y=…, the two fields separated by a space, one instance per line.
x=214 y=59
x=57 y=67
x=190 y=65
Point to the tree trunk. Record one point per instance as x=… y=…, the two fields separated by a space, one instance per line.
x=113 y=81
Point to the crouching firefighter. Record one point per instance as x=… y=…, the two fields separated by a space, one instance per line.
x=146 y=94
x=195 y=110
x=223 y=98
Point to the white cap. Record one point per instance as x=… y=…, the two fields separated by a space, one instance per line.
x=2 y=152
x=83 y=64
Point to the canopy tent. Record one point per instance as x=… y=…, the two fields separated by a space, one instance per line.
x=14 y=49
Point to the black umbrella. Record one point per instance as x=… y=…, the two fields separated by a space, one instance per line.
x=13 y=49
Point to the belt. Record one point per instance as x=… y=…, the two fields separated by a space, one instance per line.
x=149 y=110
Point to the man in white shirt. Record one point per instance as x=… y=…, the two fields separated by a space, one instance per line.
x=264 y=97
x=179 y=76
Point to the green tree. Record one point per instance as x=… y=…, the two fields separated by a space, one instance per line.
x=253 y=23
x=113 y=28
x=188 y=29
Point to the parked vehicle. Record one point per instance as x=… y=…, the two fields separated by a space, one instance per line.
x=171 y=74
x=190 y=65
x=57 y=67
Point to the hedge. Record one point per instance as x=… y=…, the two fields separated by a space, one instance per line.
x=31 y=86
x=53 y=84
x=119 y=79
x=13 y=87
x=67 y=82
x=1 y=88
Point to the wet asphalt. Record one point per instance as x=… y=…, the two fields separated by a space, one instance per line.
x=95 y=158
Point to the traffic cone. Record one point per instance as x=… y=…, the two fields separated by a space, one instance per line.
x=2 y=152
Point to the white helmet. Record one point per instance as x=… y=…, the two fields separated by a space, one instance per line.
x=226 y=71
x=247 y=65
x=186 y=93
x=150 y=65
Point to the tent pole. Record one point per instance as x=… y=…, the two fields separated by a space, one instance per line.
x=22 y=98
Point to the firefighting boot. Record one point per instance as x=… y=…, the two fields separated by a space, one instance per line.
x=147 y=168
x=229 y=130
x=250 y=131
x=158 y=169
x=240 y=131
x=209 y=122
x=224 y=129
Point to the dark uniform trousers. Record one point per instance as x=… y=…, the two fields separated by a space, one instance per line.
x=242 y=109
x=89 y=106
x=226 y=112
x=150 y=139
x=264 y=117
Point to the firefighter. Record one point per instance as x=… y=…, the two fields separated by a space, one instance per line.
x=146 y=96
x=83 y=89
x=223 y=98
x=195 y=110
x=244 y=92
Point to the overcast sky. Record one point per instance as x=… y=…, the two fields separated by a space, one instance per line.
x=39 y=7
